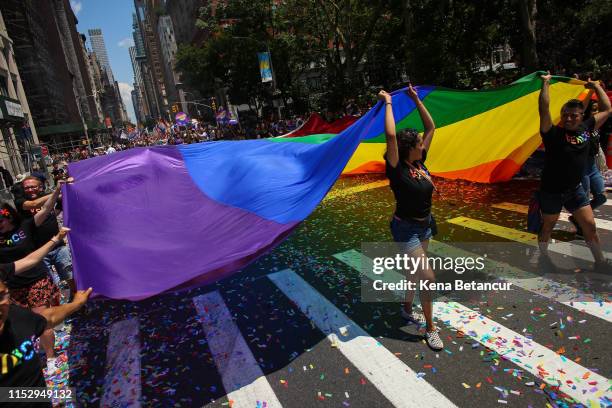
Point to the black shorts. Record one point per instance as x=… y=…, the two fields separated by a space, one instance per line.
x=552 y=203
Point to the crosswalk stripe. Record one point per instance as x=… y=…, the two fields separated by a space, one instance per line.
x=122 y=387
x=563 y=248
x=357 y=189
x=564 y=216
x=520 y=208
x=393 y=378
x=245 y=383
x=559 y=292
x=565 y=294
x=542 y=362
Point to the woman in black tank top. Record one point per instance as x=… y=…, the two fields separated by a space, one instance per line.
x=412 y=186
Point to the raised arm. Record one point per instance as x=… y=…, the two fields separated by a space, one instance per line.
x=36 y=203
x=46 y=209
x=604 y=103
x=392 y=152
x=428 y=123
x=544 y=104
x=37 y=256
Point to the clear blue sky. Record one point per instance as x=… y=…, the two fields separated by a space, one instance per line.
x=114 y=17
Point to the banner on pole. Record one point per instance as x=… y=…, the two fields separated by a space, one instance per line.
x=265 y=68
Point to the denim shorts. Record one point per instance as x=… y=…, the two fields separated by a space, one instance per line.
x=411 y=233
x=551 y=203
x=62 y=260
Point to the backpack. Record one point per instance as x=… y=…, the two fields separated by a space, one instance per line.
x=534 y=214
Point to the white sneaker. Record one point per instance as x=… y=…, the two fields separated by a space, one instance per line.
x=415 y=317
x=51 y=366
x=433 y=340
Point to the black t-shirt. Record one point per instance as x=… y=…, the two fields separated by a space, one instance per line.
x=20 y=365
x=412 y=191
x=48 y=229
x=18 y=244
x=565 y=157
x=6 y=271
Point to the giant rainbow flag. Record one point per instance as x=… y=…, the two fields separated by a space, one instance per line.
x=148 y=220
x=482 y=136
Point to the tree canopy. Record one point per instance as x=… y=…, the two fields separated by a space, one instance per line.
x=326 y=52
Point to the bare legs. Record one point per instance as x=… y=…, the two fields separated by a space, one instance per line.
x=425 y=296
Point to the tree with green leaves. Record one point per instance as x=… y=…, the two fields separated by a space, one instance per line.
x=326 y=52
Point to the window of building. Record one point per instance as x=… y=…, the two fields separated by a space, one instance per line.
x=3 y=86
x=15 y=86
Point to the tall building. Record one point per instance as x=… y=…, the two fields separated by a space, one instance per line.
x=96 y=71
x=99 y=47
x=138 y=40
x=143 y=111
x=184 y=14
x=142 y=71
x=93 y=90
x=167 y=43
x=147 y=12
x=17 y=130
x=45 y=73
x=66 y=22
x=136 y=103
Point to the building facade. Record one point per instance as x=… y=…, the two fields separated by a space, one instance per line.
x=167 y=42
x=96 y=38
x=93 y=89
x=184 y=14
x=146 y=11
x=45 y=73
x=150 y=102
x=144 y=110
x=18 y=133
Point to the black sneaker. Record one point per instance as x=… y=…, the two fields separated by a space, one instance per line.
x=546 y=265
x=603 y=267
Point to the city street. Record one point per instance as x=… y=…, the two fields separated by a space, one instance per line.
x=292 y=330
x=301 y=204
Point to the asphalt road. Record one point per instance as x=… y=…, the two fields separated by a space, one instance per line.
x=293 y=328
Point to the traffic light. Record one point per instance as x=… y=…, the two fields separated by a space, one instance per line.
x=174 y=108
x=213 y=104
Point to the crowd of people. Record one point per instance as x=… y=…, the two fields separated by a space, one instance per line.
x=34 y=263
x=165 y=134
